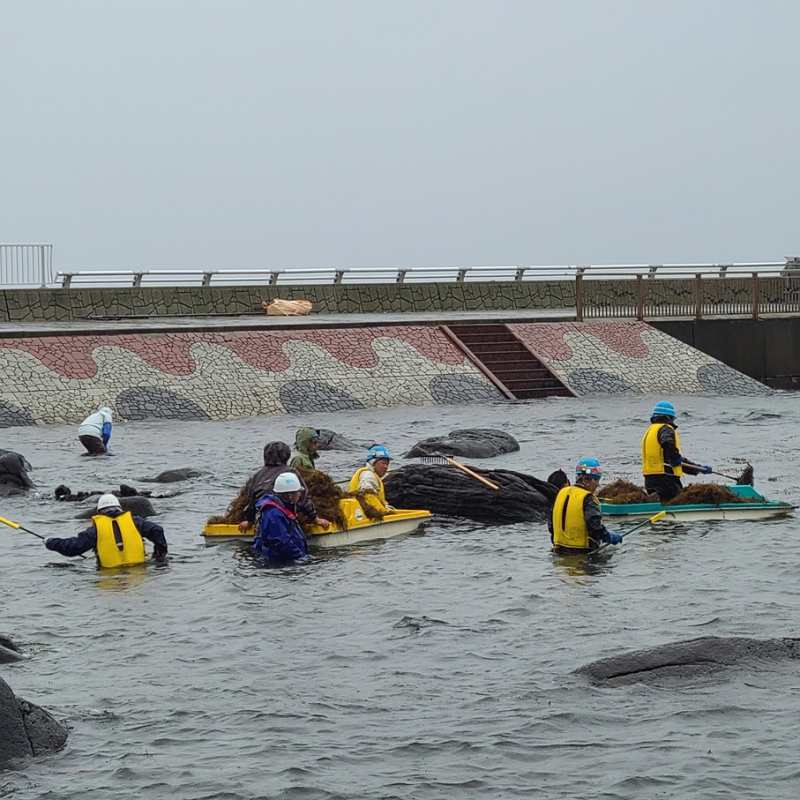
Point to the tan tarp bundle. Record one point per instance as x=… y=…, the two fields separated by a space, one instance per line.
x=287 y=308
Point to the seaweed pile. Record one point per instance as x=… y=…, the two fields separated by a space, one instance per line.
x=623 y=493
x=746 y=478
x=324 y=493
x=707 y=494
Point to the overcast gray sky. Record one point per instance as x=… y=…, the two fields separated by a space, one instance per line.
x=250 y=133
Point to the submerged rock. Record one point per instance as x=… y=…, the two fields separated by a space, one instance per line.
x=330 y=440
x=14 y=477
x=27 y=730
x=138 y=506
x=449 y=491
x=466 y=443
x=682 y=661
x=174 y=475
x=9 y=652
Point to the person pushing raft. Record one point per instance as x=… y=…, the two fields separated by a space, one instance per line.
x=662 y=462
x=279 y=537
x=576 y=524
x=115 y=536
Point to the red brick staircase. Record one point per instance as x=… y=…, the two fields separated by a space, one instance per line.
x=506 y=361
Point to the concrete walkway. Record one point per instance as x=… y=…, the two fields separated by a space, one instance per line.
x=223 y=322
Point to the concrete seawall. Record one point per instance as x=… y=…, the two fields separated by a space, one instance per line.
x=208 y=374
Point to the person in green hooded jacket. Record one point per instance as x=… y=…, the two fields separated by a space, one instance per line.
x=305 y=454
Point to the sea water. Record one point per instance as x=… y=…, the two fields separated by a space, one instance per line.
x=432 y=666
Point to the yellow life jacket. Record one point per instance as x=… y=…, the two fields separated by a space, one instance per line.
x=353 y=487
x=569 y=524
x=119 y=543
x=653 y=453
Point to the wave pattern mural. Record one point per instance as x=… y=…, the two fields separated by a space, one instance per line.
x=629 y=358
x=224 y=375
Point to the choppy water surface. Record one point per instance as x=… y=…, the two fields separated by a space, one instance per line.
x=438 y=665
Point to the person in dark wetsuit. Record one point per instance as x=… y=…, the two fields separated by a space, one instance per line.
x=276 y=457
x=115 y=536
x=576 y=523
x=662 y=462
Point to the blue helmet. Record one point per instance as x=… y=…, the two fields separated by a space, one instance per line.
x=664 y=409
x=377 y=452
x=589 y=467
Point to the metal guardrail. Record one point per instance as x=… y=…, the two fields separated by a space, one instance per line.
x=397 y=275
x=709 y=294
x=26 y=265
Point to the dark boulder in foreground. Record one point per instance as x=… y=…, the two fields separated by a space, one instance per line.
x=26 y=730
x=682 y=661
x=138 y=506
x=64 y=494
x=174 y=475
x=466 y=443
x=330 y=440
x=449 y=491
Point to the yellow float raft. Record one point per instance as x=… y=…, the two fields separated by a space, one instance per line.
x=359 y=528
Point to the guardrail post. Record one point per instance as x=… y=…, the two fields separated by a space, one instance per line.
x=698 y=289
x=460 y=276
x=207 y=278
x=41 y=266
x=273 y=277
x=137 y=278
x=518 y=275
x=579 y=297
x=66 y=280
x=401 y=276
x=337 y=276
x=756 y=295
x=639 y=298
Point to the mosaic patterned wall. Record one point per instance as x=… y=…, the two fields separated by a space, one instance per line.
x=216 y=375
x=228 y=375
x=28 y=305
x=629 y=358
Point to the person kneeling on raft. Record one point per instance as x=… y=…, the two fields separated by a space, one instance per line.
x=577 y=522
x=115 y=536
x=369 y=478
x=279 y=537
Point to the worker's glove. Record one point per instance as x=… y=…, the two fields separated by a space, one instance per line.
x=613 y=538
x=705 y=469
x=47 y=542
x=159 y=554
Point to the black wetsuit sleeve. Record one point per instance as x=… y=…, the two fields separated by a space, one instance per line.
x=75 y=545
x=598 y=533
x=154 y=532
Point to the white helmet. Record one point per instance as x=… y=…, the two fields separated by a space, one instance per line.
x=287 y=482
x=107 y=501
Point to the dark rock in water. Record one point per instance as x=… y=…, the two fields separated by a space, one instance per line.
x=25 y=463
x=27 y=730
x=173 y=475
x=9 y=652
x=330 y=440
x=14 y=474
x=467 y=443
x=138 y=506
x=449 y=491
x=682 y=661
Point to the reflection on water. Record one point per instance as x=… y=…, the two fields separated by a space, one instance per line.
x=435 y=665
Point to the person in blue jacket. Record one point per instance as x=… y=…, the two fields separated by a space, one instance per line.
x=279 y=537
